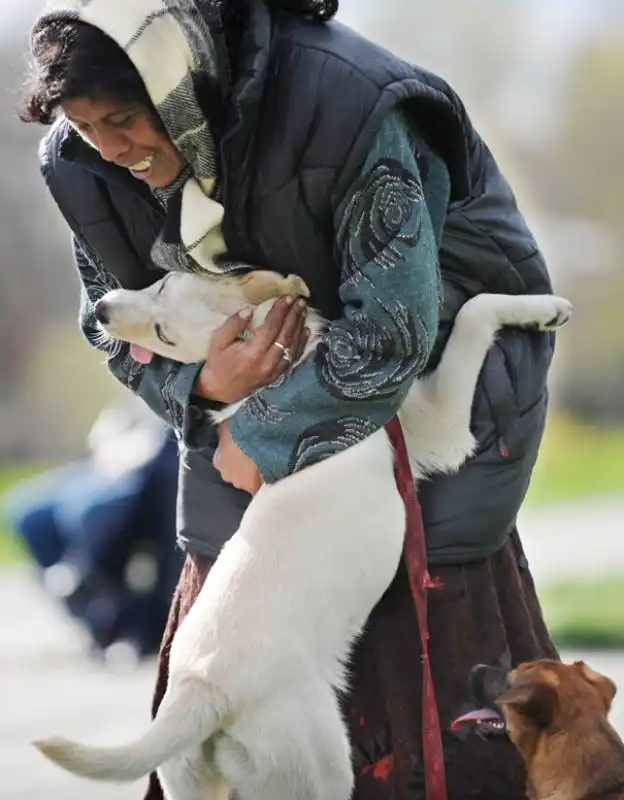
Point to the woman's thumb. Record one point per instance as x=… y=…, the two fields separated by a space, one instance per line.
x=231 y=330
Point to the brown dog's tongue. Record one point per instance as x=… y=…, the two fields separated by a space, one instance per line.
x=479 y=715
x=141 y=354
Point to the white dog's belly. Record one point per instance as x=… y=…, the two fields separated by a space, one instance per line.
x=314 y=553
x=278 y=612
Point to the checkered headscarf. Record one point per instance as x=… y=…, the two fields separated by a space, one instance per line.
x=175 y=45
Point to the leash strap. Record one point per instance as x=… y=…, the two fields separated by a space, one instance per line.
x=415 y=553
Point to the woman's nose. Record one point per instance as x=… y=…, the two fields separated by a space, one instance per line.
x=113 y=146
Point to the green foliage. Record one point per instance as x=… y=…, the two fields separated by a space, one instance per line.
x=577 y=461
x=586 y=613
x=10 y=551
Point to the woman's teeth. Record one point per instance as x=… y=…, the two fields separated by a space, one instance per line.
x=141 y=166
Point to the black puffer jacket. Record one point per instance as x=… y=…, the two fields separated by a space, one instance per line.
x=306 y=107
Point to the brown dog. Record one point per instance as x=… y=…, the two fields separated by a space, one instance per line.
x=556 y=715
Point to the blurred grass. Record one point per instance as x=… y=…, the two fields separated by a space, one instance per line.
x=577 y=461
x=10 y=551
x=583 y=613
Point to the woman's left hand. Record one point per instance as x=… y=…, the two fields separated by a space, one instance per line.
x=235 y=467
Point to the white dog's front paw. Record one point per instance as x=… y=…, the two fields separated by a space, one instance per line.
x=544 y=312
x=551 y=312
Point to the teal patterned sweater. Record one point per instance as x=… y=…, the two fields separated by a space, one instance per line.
x=387 y=229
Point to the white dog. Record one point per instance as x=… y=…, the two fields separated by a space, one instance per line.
x=251 y=704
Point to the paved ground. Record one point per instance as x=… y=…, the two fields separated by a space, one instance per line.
x=569 y=540
x=47 y=686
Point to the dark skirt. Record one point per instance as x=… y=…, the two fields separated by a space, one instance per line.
x=486 y=612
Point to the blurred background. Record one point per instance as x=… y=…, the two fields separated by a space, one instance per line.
x=543 y=81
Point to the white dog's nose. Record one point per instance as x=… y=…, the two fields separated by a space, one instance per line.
x=100 y=309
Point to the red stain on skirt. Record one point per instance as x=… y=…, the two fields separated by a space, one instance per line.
x=381 y=770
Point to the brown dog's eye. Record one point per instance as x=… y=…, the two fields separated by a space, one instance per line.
x=161 y=335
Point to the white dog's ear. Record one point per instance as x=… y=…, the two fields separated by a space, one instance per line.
x=261 y=285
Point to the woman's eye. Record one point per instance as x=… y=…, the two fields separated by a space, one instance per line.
x=123 y=122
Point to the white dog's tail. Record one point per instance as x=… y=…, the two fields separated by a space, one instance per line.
x=189 y=715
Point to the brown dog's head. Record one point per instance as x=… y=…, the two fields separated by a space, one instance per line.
x=556 y=715
x=538 y=696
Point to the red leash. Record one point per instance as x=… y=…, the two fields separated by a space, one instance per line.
x=415 y=552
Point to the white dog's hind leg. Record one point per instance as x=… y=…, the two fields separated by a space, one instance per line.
x=331 y=743
x=189 y=778
x=297 y=748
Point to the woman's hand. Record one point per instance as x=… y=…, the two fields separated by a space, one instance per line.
x=235 y=467
x=235 y=367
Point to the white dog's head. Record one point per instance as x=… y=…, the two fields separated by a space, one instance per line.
x=176 y=316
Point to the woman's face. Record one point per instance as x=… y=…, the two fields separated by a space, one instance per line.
x=128 y=136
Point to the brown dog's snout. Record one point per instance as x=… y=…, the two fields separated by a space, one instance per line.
x=102 y=312
x=487 y=684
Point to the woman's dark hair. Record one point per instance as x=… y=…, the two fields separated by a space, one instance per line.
x=72 y=59
x=322 y=10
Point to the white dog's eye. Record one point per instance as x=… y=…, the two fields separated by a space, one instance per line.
x=161 y=335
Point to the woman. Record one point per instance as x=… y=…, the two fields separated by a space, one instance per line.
x=258 y=132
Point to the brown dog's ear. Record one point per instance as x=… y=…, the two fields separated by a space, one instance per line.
x=535 y=701
x=604 y=686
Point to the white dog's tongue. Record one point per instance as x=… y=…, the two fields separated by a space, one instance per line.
x=141 y=354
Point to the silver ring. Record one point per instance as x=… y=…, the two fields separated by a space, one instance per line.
x=286 y=352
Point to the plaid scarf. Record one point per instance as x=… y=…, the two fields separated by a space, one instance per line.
x=175 y=46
